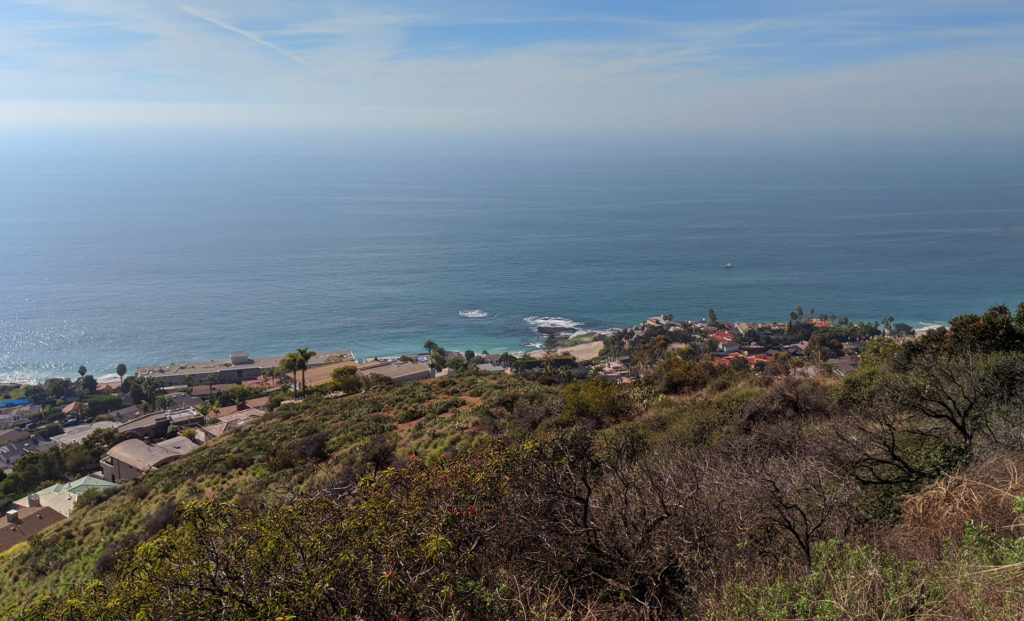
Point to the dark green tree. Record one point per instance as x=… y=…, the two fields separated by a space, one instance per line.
x=739 y=364
x=346 y=379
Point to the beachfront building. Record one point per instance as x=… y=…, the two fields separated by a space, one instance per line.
x=133 y=458
x=235 y=370
x=396 y=371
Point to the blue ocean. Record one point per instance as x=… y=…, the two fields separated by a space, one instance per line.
x=158 y=249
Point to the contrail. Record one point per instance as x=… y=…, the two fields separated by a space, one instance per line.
x=247 y=35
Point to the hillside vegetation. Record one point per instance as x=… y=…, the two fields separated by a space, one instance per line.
x=700 y=492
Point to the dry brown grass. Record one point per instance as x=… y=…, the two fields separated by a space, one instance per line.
x=984 y=493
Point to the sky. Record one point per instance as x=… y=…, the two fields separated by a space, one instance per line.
x=894 y=66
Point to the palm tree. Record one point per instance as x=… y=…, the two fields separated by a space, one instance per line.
x=121 y=370
x=302 y=356
x=211 y=379
x=430 y=346
x=289 y=363
x=82 y=371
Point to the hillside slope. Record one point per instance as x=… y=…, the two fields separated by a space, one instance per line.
x=702 y=491
x=293 y=451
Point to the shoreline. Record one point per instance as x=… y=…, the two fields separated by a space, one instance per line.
x=518 y=351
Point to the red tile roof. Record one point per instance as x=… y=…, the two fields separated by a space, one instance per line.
x=722 y=336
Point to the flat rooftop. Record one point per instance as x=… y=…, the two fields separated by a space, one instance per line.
x=205 y=368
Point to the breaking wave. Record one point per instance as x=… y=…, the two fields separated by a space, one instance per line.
x=473 y=313
x=552 y=322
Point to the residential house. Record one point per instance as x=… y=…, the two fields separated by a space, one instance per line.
x=722 y=336
x=183 y=400
x=12 y=435
x=63 y=496
x=131 y=459
x=75 y=435
x=125 y=414
x=227 y=422
x=256 y=403
x=111 y=386
x=487 y=367
x=728 y=347
x=11 y=453
x=613 y=371
x=17 y=414
x=156 y=424
x=396 y=371
x=725 y=359
x=21 y=523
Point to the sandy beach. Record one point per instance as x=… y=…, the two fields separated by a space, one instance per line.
x=583 y=351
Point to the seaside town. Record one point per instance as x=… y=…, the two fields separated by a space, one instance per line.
x=162 y=413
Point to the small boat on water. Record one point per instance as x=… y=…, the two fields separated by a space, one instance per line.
x=728 y=265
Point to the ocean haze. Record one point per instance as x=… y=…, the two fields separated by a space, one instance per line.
x=157 y=249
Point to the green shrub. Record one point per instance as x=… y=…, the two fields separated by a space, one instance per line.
x=410 y=413
x=101 y=404
x=844 y=582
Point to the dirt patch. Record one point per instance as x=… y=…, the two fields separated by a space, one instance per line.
x=408 y=425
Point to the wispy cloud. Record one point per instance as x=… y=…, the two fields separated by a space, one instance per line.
x=244 y=33
x=261 y=62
